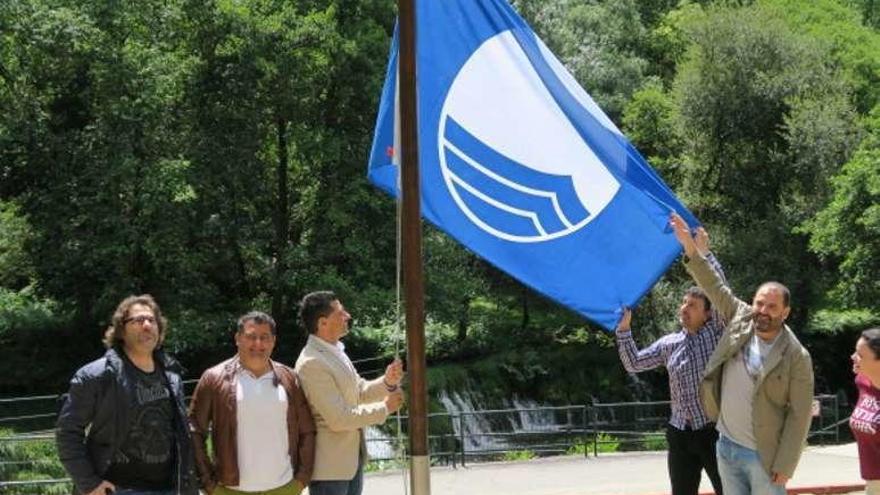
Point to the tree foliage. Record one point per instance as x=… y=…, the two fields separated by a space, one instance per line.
x=16 y=268
x=847 y=229
x=212 y=153
x=209 y=153
x=765 y=121
x=600 y=42
x=852 y=46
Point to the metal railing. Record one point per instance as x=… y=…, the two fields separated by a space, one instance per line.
x=577 y=429
x=455 y=438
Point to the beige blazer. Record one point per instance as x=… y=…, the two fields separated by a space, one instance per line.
x=783 y=393
x=342 y=404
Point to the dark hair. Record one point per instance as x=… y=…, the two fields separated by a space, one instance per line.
x=114 y=335
x=316 y=305
x=786 y=294
x=872 y=338
x=699 y=293
x=257 y=317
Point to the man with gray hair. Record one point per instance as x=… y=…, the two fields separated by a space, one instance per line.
x=261 y=429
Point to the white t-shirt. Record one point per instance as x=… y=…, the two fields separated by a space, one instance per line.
x=263 y=449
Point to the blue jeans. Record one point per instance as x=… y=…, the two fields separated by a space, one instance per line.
x=741 y=470
x=353 y=486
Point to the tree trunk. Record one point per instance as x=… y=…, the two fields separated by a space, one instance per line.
x=464 y=318
x=282 y=206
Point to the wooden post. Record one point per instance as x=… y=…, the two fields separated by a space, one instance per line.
x=411 y=226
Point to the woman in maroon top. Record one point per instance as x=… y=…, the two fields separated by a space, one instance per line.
x=865 y=419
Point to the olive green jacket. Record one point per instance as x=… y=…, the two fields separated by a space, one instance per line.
x=781 y=411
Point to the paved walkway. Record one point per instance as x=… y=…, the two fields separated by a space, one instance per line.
x=609 y=474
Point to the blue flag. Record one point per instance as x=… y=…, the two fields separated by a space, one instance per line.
x=520 y=165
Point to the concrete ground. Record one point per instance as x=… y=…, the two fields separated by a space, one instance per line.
x=835 y=467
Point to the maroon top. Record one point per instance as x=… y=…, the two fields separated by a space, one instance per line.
x=865 y=425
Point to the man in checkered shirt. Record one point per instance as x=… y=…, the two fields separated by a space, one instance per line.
x=684 y=353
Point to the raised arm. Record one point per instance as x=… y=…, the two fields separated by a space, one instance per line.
x=701 y=239
x=633 y=359
x=703 y=273
x=717 y=321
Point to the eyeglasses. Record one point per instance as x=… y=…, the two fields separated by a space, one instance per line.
x=140 y=320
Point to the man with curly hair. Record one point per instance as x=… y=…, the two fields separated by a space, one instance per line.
x=122 y=428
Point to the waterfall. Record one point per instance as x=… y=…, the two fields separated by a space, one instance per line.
x=488 y=427
x=380 y=445
x=529 y=419
x=464 y=405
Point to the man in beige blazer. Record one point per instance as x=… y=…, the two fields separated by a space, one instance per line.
x=758 y=382
x=342 y=402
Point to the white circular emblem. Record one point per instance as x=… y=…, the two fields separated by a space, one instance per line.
x=510 y=157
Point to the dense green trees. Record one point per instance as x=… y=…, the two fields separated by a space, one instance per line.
x=599 y=42
x=847 y=230
x=762 y=110
x=764 y=120
x=212 y=152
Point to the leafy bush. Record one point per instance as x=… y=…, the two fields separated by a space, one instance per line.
x=848 y=321
x=16 y=268
x=37 y=342
x=519 y=455
x=23 y=311
x=31 y=460
x=655 y=441
x=605 y=443
x=579 y=449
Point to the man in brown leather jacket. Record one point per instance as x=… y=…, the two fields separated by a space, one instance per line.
x=262 y=431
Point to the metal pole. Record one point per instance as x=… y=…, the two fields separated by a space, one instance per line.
x=836 y=420
x=454 y=448
x=584 y=425
x=594 y=418
x=461 y=433
x=411 y=226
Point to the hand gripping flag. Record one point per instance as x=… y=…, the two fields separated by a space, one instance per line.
x=520 y=165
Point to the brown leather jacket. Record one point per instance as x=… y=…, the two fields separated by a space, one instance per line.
x=213 y=409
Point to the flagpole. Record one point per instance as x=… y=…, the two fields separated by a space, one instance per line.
x=413 y=283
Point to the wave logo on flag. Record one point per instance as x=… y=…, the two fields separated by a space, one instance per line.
x=519 y=164
x=521 y=183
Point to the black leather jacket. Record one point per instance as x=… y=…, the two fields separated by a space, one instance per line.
x=93 y=422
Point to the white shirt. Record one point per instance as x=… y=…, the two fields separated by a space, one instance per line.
x=261 y=420
x=338 y=350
